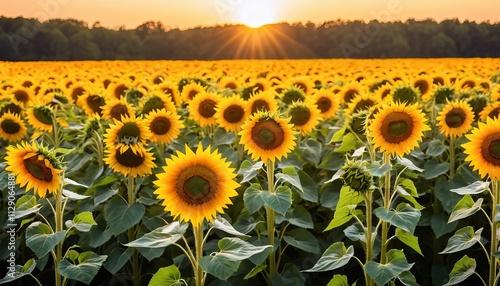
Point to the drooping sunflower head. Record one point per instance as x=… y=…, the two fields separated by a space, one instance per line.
x=12 y=127
x=231 y=113
x=397 y=128
x=483 y=148
x=156 y=102
x=164 y=125
x=40 y=117
x=357 y=122
x=196 y=186
x=327 y=102
x=491 y=110
x=135 y=162
x=10 y=107
x=304 y=116
x=443 y=94
x=129 y=132
x=362 y=102
x=262 y=101
x=357 y=176
x=405 y=94
x=267 y=137
x=292 y=94
x=34 y=167
x=92 y=124
x=478 y=102
x=455 y=119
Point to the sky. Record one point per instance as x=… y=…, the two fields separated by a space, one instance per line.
x=185 y=14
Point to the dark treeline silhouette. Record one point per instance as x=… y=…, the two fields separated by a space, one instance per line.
x=29 y=39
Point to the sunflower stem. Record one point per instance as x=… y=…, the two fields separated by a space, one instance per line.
x=452 y=157
x=271 y=220
x=369 y=234
x=134 y=260
x=494 y=241
x=59 y=227
x=387 y=206
x=198 y=241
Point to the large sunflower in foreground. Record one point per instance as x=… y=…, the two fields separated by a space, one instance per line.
x=135 y=162
x=397 y=128
x=195 y=186
x=34 y=167
x=455 y=119
x=129 y=132
x=164 y=125
x=267 y=137
x=12 y=127
x=231 y=113
x=483 y=148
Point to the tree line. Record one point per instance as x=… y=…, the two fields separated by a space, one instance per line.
x=24 y=39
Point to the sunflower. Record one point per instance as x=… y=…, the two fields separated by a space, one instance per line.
x=259 y=85
x=156 y=102
x=202 y=108
x=302 y=83
x=362 y=102
x=164 y=125
x=231 y=113
x=195 y=186
x=11 y=107
x=424 y=85
x=77 y=90
x=130 y=132
x=135 y=162
x=262 y=101
x=40 y=117
x=455 y=119
x=491 y=110
x=483 y=148
x=34 y=167
x=191 y=90
x=406 y=94
x=118 y=89
x=304 y=116
x=170 y=90
x=22 y=95
x=292 y=94
x=327 y=102
x=397 y=128
x=267 y=137
x=12 y=127
x=115 y=108
x=91 y=103
x=349 y=91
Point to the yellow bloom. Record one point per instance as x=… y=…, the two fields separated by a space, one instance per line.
x=455 y=119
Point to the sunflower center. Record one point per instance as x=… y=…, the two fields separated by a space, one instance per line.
x=397 y=127
x=192 y=93
x=207 y=108
x=160 y=125
x=21 y=96
x=455 y=118
x=494 y=113
x=43 y=115
x=422 y=85
x=77 y=92
x=231 y=85
x=324 y=104
x=490 y=149
x=268 y=134
x=120 y=90
x=95 y=102
x=12 y=108
x=129 y=133
x=153 y=103
x=129 y=158
x=36 y=167
x=233 y=114
x=196 y=185
x=10 y=126
x=118 y=111
x=300 y=116
x=260 y=105
x=349 y=95
x=363 y=105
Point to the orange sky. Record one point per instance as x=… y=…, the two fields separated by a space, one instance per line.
x=190 y=13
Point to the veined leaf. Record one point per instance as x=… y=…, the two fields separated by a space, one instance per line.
x=405 y=217
x=383 y=273
x=121 y=216
x=289 y=175
x=465 y=208
x=166 y=276
x=462 y=239
x=87 y=267
x=472 y=189
x=334 y=257
x=408 y=239
x=161 y=237
x=41 y=240
x=462 y=269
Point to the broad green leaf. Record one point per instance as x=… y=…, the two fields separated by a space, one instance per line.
x=259 y=258
x=103 y=194
x=221 y=137
x=339 y=135
x=465 y=208
x=349 y=143
x=334 y=257
x=407 y=279
x=252 y=198
x=300 y=217
x=409 y=186
x=358 y=152
x=117 y=259
x=309 y=187
x=435 y=148
x=222 y=224
x=280 y=201
x=219 y=266
x=19 y=271
x=310 y=150
x=446 y=198
x=102 y=183
x=378 y=170
x=72 y=255
x=472 y=189
x=289 y=175
x=41 y=240
x=121 y=216
x=249 y=170
x=383 y=273
x=338 y=280
x=349 y=197
x=433 y=169
x=290 y=276
x=440 y=226
x=403 y=193
x=68 y=181
x=82 y=221
x=341 y=216
x=167 y=276
x=408 y=239
x=355 y=232
x=161 y=237
x=462 y=269
x=405 y=217
x=87 y=267
x=462 y=239
x=408 y=164
x=302 y=239
x=245 y=223
x=256 y=270
x=26 y=205
x=73 y=196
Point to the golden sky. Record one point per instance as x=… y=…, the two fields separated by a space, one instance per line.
x=190 y=13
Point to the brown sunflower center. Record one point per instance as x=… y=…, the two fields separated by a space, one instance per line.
x=234 y=113
x=95 y=102
x=300 y=116
x=192 y=93
x=77 y=92
x=258 y=87
x=129 y=133
x=324 y=104
x=422 y=85
x=160 y=125
x=21 y=96
x=43 y=115
x=12 y=108
x=35 y=165
x=196 y=185
x=494 y=113
x=118 y=111
x=349 y=95
x=260 y=105
x=231 y=85
x=490 y=149
x=268 y=134
x=10 y=126
x=455 y=118
x=129 y=158
x=207 y=108
x=120 y=90
x=363 y=105
x=397 y=127
x=301 y=85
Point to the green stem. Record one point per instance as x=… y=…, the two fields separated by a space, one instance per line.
x=198 y=241
x=270 y=219
x=494 y=241
x=59 y=227
x=387 y=206
x=134 y=260
x=369 y=234
x=452 y=157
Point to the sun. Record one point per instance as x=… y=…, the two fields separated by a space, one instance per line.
x=256 y=13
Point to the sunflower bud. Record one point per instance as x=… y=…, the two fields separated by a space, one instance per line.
x=357 y=176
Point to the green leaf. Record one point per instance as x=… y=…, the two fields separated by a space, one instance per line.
x=221 y=137
x=339 y=135
x=378 y=170
x=167 y=276
x=355 y=232
x=68 y=181
x=300 y=217
x=222 y=224
x=252 y=198
x=280 y=201
x=73 y=196
x=359 y=152
x=383 y=273
x=102 y=183
x=408 y=239
x=82 y=221
x=302 y=239
x=349 y=143
x=310 y=150
x=406 y=189
x=408 y=164
x=87 y=267
x=349 y=197
x=290 y=175
x=435 y=148
x=409 y=186
x=447 y=198
x=405 y=217
x=117 y=259
x=19 y=271
x=120 y=216
x=472 y=189
x=256 y=270
x=161 y=237
x=249 y=170
x=465 y=208
x=462 y=269
x=433 y=169
x=341 y=216
x=334 y=257
x=26 y=205
x=219 y=266
x=338 y=280
x=462 y=239
x=309 y=187
x=41 y=240
x=72 y=255
x=290 y=276
x=407 y=279
x=440 y=226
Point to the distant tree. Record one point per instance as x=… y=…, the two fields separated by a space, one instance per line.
x=82 y=47
x=443 y=46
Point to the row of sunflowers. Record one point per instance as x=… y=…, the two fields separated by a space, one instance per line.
x=277 y=172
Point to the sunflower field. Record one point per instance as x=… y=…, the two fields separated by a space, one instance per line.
x=250 y=172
